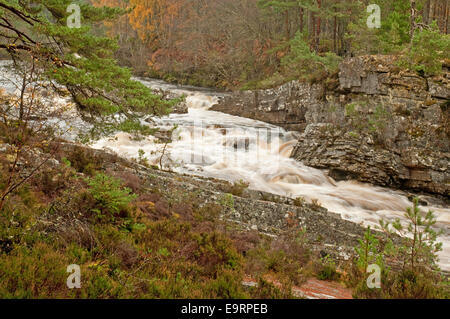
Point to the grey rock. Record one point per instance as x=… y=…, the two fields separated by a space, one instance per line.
x=407 y=147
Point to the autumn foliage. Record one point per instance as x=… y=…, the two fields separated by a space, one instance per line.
x=231 y=43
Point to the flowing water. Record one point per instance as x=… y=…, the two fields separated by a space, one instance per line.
x=232 y=148
x=214 y=144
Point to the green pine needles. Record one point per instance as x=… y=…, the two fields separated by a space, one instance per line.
x=109 y=195
x=429 y=49
x=407 y=257
x=75 y=58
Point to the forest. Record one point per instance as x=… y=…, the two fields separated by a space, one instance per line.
x=257 y=43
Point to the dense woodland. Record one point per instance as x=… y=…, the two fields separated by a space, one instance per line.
x=248 y=43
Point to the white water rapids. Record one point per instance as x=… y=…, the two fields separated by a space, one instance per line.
x=214 y=144
x=232 y=148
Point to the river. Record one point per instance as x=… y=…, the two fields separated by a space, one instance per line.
x=213 y=144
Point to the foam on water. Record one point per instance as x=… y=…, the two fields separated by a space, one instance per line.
x=214 y=144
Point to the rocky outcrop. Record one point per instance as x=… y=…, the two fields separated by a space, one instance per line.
x=285 y=106
x=348 y=156
x=379 y=124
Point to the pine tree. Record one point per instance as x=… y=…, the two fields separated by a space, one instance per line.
x=395 y=30
x=74 y=57
x=429 y=49
x=281 y=6
x=302 y=61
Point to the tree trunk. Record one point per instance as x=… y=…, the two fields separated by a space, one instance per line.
x=301 y=20
x=445 y=17
x=318 y=25
x=286 y=22
x=433 y=15
x=335 y=31
x=312 y=29
x=426 y=12
x=413 y=19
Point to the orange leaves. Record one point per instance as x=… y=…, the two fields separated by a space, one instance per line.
x=154 y=16
x=281 y=54
x=107 y=3
x=114 y=28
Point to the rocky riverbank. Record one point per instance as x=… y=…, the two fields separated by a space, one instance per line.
x=376 y=123
x=324 y=232
x=270 y=214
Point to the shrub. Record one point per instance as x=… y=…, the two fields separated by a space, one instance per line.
x=328 y=269
x=429 y=49
x=413 y=249
x=237 y=188
x=227 y=286
x=111 y=198
x=214 y=250
x=129 y=179
x=301 y=60
x=267 y=290
x=52 y=181
x=32 y=273
x=285 y=257
x=83 y=160
x=208 y=212
x=299 y=201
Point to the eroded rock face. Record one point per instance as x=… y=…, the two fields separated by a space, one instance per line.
x=400 y=136
x=285 y=106
x=349 y=157
x=379 y=124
